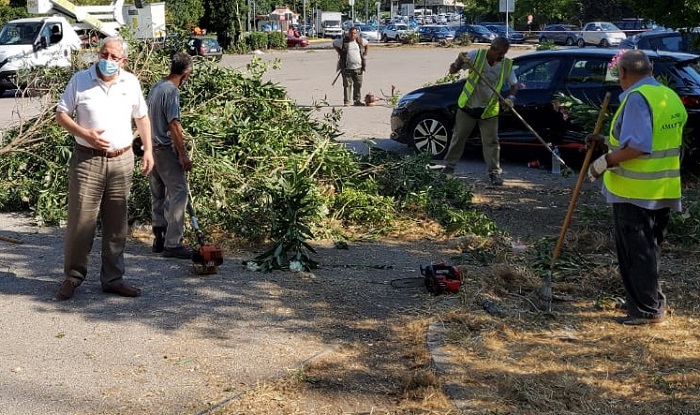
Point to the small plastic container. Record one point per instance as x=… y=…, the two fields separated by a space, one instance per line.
x=556 y=166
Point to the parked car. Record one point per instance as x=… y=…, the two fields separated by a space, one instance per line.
x=424 y=118
x=560 y=34
x=663 y=39
x=632 y=26
x=297 y=41
x=476 y=33
x=600 y=34
x=394 y=31
x=371 y=33
x=204 y=46
x=441 y=19
x=435 y=33
x=508 y=32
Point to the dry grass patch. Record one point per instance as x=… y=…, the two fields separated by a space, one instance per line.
x=513 y=358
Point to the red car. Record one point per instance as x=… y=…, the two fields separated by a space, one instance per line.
x=297 y=41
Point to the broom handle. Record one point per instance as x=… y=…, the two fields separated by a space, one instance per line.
x=516 y=113
x=9 y=239
x=579 y=182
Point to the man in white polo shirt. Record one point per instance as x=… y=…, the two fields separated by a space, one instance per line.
x=97 y=107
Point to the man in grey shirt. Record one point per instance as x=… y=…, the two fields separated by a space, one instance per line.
x=168 y=180
x=352 y=51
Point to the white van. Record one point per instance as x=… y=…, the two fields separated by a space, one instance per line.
x=39 y=41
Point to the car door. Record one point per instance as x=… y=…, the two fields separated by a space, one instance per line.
x=589 y=78
x=538 y=78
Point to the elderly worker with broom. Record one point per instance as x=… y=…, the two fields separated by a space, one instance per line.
x=479 y=103
x=642 y=181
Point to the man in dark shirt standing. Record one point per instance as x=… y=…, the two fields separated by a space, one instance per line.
x=168 y=180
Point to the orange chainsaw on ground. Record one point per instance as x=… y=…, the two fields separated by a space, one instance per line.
x=207 y=257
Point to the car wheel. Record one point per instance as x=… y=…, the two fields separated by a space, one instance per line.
x=543 y=39
x=434 y=39
x=581 y=43
x=384 y=38
x=569 y=41
x=2 y=92
x=604 y=43
x=431 y=133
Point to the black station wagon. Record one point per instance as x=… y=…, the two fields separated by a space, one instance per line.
x=424 y=118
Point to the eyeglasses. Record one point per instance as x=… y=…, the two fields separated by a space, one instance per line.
x=111 y=57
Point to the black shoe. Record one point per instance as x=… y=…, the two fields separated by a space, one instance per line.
x=159 y=241
x=359 y=104
x=638 y=321
x=181 y=252
x=496 y=179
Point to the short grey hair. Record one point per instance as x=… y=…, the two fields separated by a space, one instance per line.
x=122 y=42
x=180 y=63
x=635 y=62
x=500 y=43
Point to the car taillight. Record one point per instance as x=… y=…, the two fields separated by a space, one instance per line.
x=202 y=50
x=690 y=101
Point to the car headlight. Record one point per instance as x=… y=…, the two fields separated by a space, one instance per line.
x=408 y=99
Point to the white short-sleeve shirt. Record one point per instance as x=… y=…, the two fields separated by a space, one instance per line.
x=105 y=107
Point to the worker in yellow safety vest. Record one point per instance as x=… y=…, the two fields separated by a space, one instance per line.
x=642 y=181
x=478 y=104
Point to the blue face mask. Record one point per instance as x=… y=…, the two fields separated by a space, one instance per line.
x=108 y=67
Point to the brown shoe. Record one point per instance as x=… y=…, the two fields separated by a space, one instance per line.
x=123 y=289
x=67 y=289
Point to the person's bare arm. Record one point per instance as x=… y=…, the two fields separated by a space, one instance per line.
x=178 y=137
x=92 y=135
x=456 y=66
x=143 y=125
x=621 y=155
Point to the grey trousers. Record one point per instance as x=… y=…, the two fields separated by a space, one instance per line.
x=168 y=194
x=464 y=125
x=352 y=85
x=97 y=186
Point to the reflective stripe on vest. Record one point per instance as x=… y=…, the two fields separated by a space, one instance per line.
x=653 y=176
x=473 y=79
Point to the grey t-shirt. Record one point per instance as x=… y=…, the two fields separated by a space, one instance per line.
x=354 y=59
x=163 y=107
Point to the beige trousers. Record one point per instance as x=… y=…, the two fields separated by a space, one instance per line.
x=97 y=186
x=464 y=125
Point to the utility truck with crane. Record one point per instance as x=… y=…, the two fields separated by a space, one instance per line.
x=50 y=40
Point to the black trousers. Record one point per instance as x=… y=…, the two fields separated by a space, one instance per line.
x=638 y=236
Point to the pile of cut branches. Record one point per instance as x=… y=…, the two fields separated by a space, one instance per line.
x=264 y=169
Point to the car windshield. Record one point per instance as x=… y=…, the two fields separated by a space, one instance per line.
x=480 y=29
x=401 y=27
x=609 y=26
x=20 y=33
x=367 y=28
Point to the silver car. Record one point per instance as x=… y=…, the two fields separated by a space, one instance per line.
x=600 y=34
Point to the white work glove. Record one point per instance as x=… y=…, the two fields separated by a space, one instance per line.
x=510 y=101
x=597 y=168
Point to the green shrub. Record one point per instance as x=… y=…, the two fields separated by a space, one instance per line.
x=256 y=40
x=547 y=45
x=277 y=40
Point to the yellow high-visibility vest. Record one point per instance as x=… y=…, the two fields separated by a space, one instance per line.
x=657 y=175
x=473 y=79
